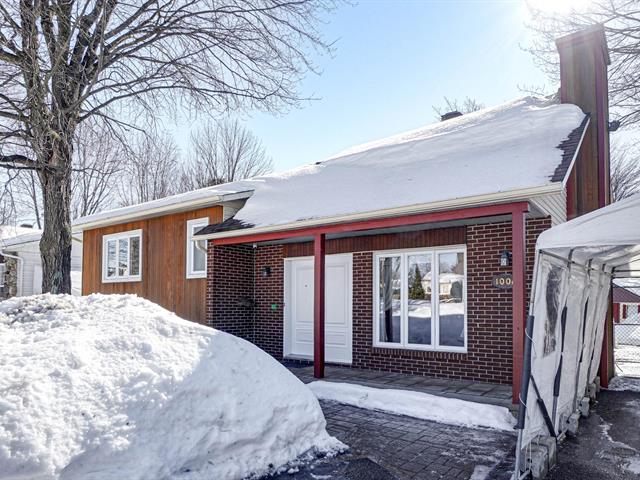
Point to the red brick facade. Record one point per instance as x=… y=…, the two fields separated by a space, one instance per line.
x=489 y=323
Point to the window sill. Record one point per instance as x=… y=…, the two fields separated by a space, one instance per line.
x=419 y=352
x=121 y=280
x=193 y=276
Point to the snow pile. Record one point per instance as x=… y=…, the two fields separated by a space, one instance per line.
x=416 y=404
x=510 y=147
x=113 y=387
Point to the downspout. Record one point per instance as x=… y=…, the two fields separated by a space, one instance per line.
x=19 y=261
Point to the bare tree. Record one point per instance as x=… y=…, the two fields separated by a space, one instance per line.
x=64 y=62
x=467 y=105
x=151 y=171
x=224 y=152
x=621 y=21
x=98 y=161
x=7 y=202
x=625 y=171
x=28 y=196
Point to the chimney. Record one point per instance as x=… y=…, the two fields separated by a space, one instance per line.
x=584 y=58
x=450 y=115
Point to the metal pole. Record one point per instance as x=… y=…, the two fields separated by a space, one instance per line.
x=524 y=391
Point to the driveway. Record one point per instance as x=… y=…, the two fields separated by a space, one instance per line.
x=385 y=447
x=608 y=447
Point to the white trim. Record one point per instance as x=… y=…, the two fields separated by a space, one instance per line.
x=191 y=245
x=116 y=237
x=466 y=202
x=162 y=206
x=404 y=344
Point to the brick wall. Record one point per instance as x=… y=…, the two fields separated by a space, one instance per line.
x=230 y=283
x=269 y=296
x=489 y=323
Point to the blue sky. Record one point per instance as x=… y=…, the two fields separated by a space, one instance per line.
x=393 y=61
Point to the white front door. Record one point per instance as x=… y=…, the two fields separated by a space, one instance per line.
x=298 y=330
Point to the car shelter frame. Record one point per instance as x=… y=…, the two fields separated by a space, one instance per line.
x=517 y=211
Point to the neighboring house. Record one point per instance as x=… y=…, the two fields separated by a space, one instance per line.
x=626 y=303
x=21 y=265
x=320 y=263
x=147 y=249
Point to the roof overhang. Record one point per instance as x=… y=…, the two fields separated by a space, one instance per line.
x=155 y=208
x=333 y=223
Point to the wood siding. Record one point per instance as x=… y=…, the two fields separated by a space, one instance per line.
x=390 y=241
x=164 y=279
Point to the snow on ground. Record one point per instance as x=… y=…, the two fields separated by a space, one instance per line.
x=510 y=147
x=416 y=404
x=622 y=383
x=627 y=360
x=114 y=386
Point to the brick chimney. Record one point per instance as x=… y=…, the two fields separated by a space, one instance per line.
x=584 y=58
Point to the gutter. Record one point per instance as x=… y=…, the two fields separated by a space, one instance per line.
x=479 y=200
x=19 y=261
x=103 y=221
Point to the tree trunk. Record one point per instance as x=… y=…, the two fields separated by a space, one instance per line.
x=55 y=244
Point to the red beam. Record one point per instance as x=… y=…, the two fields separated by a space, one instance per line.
x=389 y=222
x=318 y=305
x=518 y=292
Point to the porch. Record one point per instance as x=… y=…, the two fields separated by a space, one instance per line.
x=473 y=391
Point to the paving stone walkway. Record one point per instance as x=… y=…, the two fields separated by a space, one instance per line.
x=387 y=447
x=480 y=392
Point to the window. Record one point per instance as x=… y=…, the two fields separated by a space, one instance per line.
x=421 y=299
x=196 y=258
x=122 y=257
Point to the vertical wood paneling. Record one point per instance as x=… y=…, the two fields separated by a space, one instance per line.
x=164 y=278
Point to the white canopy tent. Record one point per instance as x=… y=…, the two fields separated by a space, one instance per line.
x=575 y=263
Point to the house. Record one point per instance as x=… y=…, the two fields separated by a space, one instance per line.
x=411 y=254
x=21 y=265
x=626 y=303
x=147 y=249
x=319 y=265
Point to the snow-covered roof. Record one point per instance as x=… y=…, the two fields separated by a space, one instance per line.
x=174 y=203
x=10 y=235
x=518 y=147
x=9 y=231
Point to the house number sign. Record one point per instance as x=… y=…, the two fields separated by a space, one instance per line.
x=503 y=281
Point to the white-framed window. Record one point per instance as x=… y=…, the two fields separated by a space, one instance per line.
x=420 y=299
x=122 y=257
x=196 y=256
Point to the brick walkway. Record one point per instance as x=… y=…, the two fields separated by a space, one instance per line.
x=386 y=447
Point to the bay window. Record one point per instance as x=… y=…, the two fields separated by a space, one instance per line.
x=421 y=299
x=122 y=257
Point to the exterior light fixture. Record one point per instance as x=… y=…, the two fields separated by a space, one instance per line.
x=266 y=271
x=505 y=258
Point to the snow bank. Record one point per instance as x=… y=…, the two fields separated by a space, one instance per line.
x=114 y=387
x=510 y=147
x=415 y=404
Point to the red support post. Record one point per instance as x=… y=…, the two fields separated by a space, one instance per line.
x=518 y=292
x=318 y=305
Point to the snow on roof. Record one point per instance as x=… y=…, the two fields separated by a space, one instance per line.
x=9 y=231
x=202 y=196
x=10 y=235
x=519 y=145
